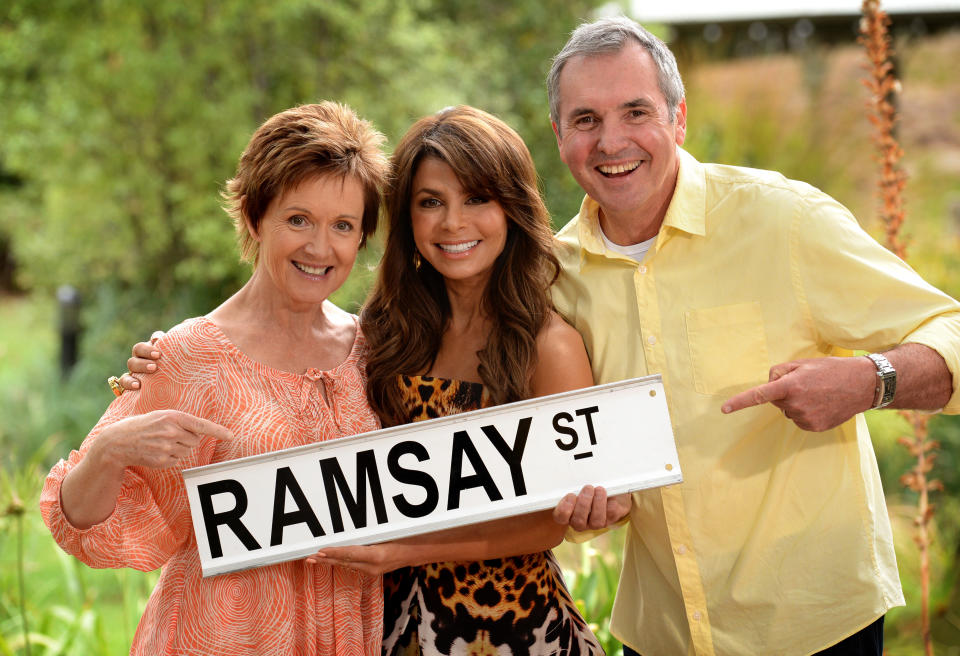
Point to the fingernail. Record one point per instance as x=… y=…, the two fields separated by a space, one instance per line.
x=154 y=354
x=136 y=385
x=725 y=409
x=151 y=367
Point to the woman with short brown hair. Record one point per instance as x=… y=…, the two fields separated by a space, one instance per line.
x=275 y=366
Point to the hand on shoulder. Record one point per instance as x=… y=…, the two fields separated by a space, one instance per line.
x=145 y=356
x=143 y=360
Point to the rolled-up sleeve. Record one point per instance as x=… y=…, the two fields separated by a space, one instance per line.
x=942 y=334
x=860 y=296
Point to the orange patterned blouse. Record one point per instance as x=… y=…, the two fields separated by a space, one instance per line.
x=289 y=608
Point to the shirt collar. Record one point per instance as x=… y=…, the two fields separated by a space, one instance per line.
x=688 y=207
x=686 y=212
x=589 y=227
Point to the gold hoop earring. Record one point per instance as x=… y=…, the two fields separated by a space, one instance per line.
x=416 y=260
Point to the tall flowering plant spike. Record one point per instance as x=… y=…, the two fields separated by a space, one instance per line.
x=884 y=87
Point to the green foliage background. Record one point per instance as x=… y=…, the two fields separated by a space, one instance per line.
x=120 y=120
x=123 y=118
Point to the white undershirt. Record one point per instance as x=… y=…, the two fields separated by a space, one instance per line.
x=633 y=251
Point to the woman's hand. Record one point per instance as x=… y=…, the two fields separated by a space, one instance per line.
x=159 y=440
x=498 y=538
x=143 y=361
x=592 y=509
x=374 y=559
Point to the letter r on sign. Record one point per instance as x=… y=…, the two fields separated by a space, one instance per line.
x=212 y=519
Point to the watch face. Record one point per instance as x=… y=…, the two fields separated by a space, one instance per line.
x=889 y=386
x=887 y=380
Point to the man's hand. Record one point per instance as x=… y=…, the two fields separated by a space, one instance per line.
x=592 y=509
x=816 y=394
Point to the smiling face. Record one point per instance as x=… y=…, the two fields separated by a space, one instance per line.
x=617 y=137
x=309 y=237
x=459 y=233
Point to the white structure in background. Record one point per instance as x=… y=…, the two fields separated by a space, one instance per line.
x=705 y=11
x=740 y=28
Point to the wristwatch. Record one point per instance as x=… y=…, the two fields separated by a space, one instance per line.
x=886 y=381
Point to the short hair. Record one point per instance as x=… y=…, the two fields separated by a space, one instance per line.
x=327 y=138
x=610 y=35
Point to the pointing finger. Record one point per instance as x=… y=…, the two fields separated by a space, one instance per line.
x=201 y=426
x=766 y=393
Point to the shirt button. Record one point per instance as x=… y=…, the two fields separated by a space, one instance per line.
x=651 y=340
x=682 y=549
x=642 y=268
x=696 y=616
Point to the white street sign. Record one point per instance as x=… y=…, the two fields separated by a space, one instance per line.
x=462 y=469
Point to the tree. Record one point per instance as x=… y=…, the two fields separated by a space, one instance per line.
x=123 y=119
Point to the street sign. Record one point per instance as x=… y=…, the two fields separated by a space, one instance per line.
x=417 y=478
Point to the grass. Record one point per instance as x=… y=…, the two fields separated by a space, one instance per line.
x=71 y=609
x=68 y=608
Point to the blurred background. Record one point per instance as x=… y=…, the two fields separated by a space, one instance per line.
x=121 y=119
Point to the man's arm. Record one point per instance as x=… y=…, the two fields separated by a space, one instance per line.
x=820 y=393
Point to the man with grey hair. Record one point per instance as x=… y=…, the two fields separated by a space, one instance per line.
x=749 y=294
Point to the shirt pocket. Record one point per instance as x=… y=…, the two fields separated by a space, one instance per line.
x=728 y=347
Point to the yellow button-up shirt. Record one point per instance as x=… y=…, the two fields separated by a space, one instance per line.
x=778 y=540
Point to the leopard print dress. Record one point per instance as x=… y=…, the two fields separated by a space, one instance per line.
x=516 y=605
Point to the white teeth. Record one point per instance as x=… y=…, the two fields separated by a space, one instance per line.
x=618 y=168
x=458 y=248
x=313 y=271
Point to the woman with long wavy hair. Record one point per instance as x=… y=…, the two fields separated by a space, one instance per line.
x=460 y=318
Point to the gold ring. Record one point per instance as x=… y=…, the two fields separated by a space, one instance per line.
x=115 y=385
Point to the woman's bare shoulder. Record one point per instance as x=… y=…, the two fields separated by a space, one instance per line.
x=557 y=337
x=562 y=362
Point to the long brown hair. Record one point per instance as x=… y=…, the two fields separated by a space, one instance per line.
x=408 y=309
